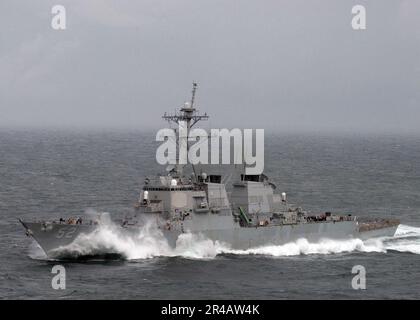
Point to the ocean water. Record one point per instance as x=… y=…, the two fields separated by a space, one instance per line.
x=46 y=174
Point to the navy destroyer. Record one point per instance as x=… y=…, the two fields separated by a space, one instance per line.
x=243 y=212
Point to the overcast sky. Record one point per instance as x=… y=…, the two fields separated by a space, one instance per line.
x=288 y=65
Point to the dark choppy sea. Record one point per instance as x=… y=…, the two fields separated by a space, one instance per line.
x=47 y=174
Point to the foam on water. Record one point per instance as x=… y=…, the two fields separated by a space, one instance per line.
x=149 y=242
x=302 y=246
x=36 y=252
x=406 y=239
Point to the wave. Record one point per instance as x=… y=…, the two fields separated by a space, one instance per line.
x=149 y=242
x=406 y=239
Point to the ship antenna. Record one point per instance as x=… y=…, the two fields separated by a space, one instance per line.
x=193 y=94
x=188 y=114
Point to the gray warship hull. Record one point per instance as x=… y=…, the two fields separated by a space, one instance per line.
x=248 y=238
x=56 y=239
x=239 y=209
x=52 y=238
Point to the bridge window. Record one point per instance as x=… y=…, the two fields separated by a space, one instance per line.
x=215 y=179
x=250 y=177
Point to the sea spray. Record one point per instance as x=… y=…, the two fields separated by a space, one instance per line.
x=303 y=247
x=110 y=238
x=406 y=239
x=149 y=242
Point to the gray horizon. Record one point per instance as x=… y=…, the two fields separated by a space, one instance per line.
x=293 y=66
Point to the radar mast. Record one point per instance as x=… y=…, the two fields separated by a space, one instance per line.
x=189 y=116
x=187 y=113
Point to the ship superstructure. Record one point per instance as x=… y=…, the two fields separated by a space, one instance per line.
x=243 y=211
